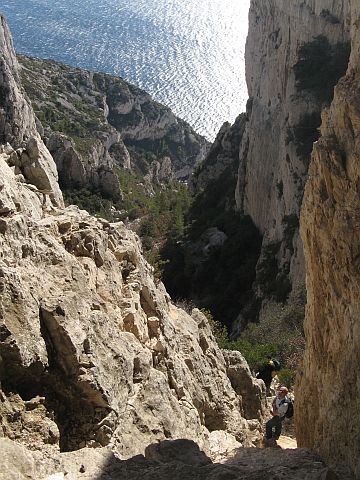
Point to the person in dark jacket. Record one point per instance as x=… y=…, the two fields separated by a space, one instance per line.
x=265 y=373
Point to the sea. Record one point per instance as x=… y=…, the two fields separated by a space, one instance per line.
x=188 y=54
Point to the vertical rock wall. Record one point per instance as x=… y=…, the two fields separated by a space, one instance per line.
x=17 y=121
x=273 y=170
x=328 y=390
x=18 y=126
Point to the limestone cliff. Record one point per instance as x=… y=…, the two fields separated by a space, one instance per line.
x=295 y=53
x=93 y=123
x=92 y=351
x=222 y=156
x=328 y=390
x=17 y=119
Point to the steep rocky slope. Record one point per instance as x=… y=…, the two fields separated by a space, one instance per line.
x=295 y=54
x=328 y=390
x=18 y=126
x=222 y=156
x=92 y=351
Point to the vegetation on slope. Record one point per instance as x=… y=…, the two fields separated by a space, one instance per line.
x=319 y=67
x=279 y=334
x=218 y=278
x=85 y=106
x=156 y=216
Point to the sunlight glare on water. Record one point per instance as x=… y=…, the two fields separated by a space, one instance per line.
x=188 y=54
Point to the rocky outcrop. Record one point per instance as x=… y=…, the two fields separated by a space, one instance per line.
x=295 y=54
x=243 y=383
x=17 y=121
x=18 y=126
x=85 y=328
x=223 y=155
x=94 y=123
x=328 y=389
x=94 y=169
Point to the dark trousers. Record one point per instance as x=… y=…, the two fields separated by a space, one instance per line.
x=273 y=427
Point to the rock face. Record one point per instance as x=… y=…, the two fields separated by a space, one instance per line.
x=17 y=121
x=94 y=123
x=85 y=328
x=222 y=157
x=18 y=127
x=92 y=351
x=295 y=53
x=328 y=390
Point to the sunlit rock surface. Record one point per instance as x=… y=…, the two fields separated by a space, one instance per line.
x=328 y=389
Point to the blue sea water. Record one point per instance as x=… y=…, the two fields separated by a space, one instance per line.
x=189 y=54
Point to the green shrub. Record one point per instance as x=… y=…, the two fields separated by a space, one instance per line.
x=255 y=353
x=280 y=334
x=93 y=202
x=220 y=331
x=304 y=134
x=286 y=377
x=320 y=66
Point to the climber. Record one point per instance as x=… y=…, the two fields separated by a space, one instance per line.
x=279 y=409
x=265 y=373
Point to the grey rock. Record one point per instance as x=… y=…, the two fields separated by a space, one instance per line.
x=245 y=385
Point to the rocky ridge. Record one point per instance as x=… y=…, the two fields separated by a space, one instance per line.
x=222 y=156
x=93 y=123
x=93 y=347
x=18 y=127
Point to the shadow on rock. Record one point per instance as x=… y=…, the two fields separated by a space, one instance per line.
x=183 y=460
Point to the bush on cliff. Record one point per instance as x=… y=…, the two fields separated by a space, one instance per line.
x=320 y=65
x=280 y=334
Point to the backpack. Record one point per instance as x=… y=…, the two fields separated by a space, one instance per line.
x=290 y=410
